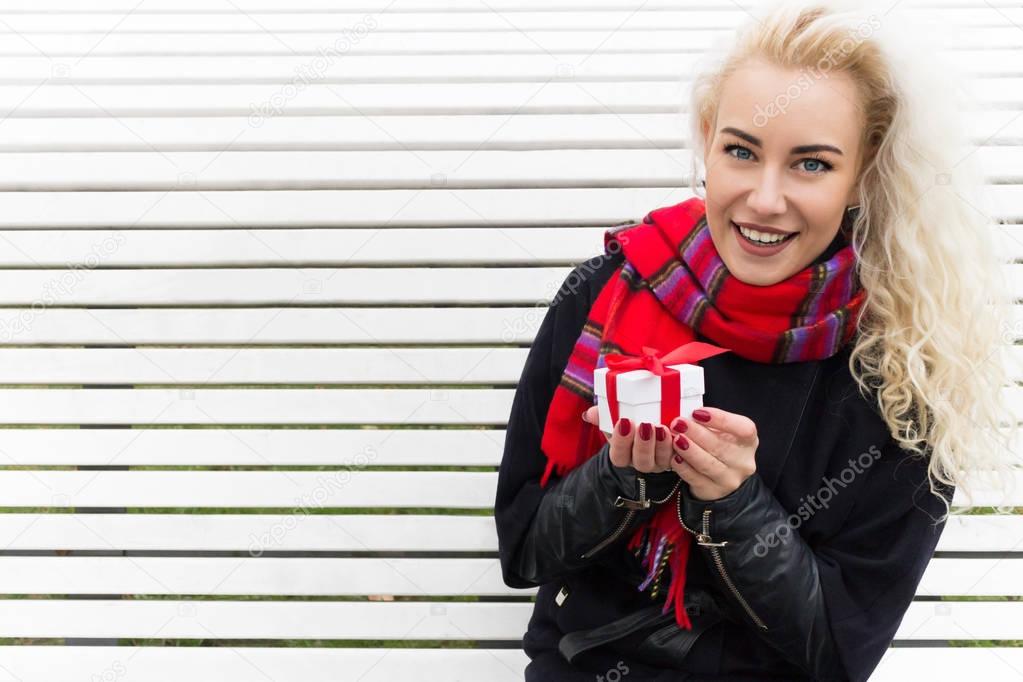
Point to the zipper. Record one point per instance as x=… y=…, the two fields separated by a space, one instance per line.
x=704 y=540
x=632 y=505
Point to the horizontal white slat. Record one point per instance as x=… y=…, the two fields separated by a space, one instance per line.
x=264 y=406
x=259 y=101
x=310 y=42
x=272 y=325
x=467 y=132
x=282 y=286
x=950 y=664
x=253 y=447
x=972 y=577
x=616 y=19
x=254 y=576
x=962 y=620
x=505 y=208
x=349 y=532
x=257 y=664
x=340 y=488
x=587 y=65
x=396 y=6
x=167 y=619
x=316 y=247
x=366 y=576
x=258 y=533
x=346 y=487
x=322 y=366
x=982 y=533
x=352 y=208
x=264 y=619
x=201 y=171
x=292 y=133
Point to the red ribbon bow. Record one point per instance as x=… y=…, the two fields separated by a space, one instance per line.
x=656 y=363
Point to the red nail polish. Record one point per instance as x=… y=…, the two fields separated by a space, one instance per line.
x=661 y=433
x=678 y=458
x=645 y=431
x=682 y=442
x=626 y=426
x=679 y=424
x=702 y=415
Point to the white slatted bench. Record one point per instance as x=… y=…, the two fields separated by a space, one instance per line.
x=255 y=367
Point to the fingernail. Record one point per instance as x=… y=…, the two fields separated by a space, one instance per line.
x=682 y=442
x=583 y=415
x=679 y=424
x=678 y=458
x=661 y=433
x=645 y=431
x=625 y=427
x=702 y=415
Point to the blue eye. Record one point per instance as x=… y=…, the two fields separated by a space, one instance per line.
x=824 y=165
x=729 y=147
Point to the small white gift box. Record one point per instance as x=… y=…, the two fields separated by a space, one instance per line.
x=639 y=394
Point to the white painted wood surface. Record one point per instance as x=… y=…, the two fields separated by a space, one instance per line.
x=195 y=251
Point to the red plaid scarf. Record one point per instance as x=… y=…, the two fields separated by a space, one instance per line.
x=672 y=283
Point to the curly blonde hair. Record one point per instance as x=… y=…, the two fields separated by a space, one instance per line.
x=932 y=343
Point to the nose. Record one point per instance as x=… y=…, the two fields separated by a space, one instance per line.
x=767 y=197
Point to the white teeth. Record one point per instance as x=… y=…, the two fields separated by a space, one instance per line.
x=766 y=237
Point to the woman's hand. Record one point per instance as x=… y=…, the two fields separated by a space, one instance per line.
x=717 y=452
x=645 y=447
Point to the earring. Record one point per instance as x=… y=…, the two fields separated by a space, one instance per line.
x=853 y=208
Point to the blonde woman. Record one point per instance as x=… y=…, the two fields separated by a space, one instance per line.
x=845 y=282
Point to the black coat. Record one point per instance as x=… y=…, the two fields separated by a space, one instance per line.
x=864 y=540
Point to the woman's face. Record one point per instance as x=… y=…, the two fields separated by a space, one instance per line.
x=765 y=167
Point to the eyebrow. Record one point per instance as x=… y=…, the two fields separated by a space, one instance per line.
x=802 y=149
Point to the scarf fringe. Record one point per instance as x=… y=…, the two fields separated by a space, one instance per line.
x=664 y=536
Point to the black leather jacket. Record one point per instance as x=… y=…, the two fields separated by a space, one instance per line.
x=821 y=602
x=592 y=509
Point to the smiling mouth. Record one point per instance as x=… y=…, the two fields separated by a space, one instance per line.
x=745 y=234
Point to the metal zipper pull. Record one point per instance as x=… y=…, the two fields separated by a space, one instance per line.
x=703 y=539
x=631 y=504
x=643 y=502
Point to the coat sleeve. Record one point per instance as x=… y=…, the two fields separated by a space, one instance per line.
x=543 y=532
x=831 y=609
